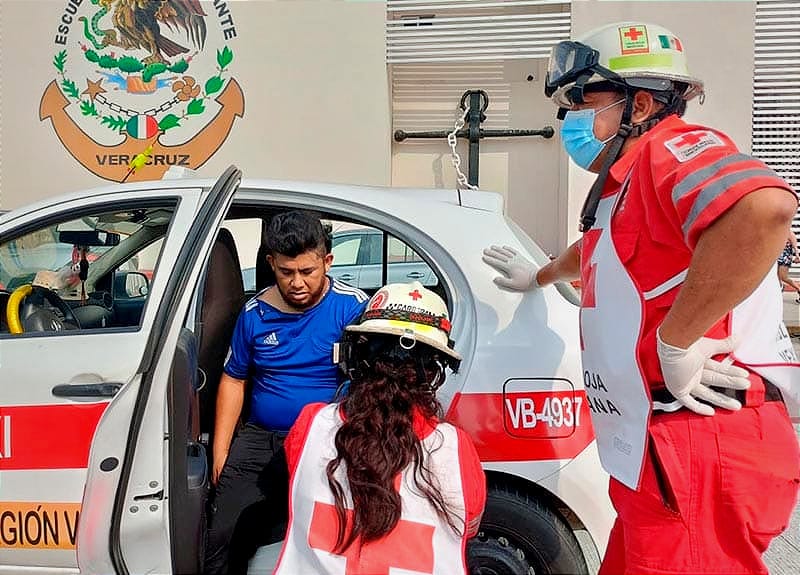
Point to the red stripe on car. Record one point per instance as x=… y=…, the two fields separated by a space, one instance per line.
x=524 y=426
x=47 y=436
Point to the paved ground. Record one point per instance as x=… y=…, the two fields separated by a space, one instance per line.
x=783 y=557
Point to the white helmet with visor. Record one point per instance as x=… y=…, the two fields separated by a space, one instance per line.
x=625 y=54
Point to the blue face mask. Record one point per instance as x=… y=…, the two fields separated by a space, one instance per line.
x=577 y=135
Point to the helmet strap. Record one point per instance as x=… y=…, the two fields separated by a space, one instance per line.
x=589 y=210
x=438 y=377
x=420 y=369
x=576 y=91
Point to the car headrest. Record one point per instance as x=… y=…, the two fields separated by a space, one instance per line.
x=265 y=277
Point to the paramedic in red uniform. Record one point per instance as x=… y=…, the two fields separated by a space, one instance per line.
x=680 y=235
x=378 y=482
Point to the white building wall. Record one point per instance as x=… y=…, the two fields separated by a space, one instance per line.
x=313 y=73
x=318 y=103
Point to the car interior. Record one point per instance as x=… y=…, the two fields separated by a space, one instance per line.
x=221 y=297
x=83 y=273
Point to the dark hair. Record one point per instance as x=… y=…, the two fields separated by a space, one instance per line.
x=295 y=232
x=377 y=441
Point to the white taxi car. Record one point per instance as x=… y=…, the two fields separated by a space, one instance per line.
x=109 y=364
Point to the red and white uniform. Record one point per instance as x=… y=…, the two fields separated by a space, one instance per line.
x=659 y=198
x=420 y=543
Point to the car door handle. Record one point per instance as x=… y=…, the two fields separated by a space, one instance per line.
x=87 y=390
x=347 y=277
x=415 y=275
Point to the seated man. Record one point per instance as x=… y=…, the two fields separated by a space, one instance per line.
x=283 y=342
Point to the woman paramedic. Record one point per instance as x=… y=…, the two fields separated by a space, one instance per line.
x=378 y=481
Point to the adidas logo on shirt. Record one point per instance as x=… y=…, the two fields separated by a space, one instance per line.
x=271 y=339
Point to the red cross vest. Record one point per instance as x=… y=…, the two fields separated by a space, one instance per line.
x=420 y=543
x=611 y=330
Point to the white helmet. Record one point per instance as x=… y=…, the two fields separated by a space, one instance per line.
x=629 y=54
x=411 y=312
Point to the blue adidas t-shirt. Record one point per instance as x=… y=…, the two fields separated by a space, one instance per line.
x=289 y=356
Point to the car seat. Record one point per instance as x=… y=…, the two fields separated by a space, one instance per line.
x=222 y=298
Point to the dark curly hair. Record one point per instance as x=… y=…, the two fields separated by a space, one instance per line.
x=295 y=232
x=377 y=442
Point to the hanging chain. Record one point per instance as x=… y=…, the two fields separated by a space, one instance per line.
x=463 y=182
x=114 y=107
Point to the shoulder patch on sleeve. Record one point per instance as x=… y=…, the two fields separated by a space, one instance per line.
x=692 y=144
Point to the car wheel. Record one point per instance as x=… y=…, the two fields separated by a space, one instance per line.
x=521 y=536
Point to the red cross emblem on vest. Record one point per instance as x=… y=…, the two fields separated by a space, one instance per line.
x=415 y=295
x=408 y=546
x=690 y=139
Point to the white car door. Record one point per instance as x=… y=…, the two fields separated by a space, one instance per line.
x=68 y=397
x=125 y=526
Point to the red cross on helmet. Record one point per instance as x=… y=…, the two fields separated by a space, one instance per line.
x=410 y=311
x=631 y=54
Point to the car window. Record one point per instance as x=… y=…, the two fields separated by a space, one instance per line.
x=374 y=249
x=345 y=249
x=137 y=272
x=23 y=257
x=399 y=251
x=246 y=234
x=117 y=249
x=358 y=258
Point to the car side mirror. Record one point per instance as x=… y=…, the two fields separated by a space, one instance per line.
x=130 y=285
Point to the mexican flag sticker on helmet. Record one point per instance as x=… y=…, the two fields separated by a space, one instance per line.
x=633 y=40
x=670 y=43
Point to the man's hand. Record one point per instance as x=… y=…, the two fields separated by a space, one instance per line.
x=219 y=462
x=689 y=373
x=518 y=273
x=230 y=398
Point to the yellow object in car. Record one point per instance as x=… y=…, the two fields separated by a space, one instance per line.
x=12 y=309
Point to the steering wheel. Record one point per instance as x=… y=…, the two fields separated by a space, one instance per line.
x=34 y=315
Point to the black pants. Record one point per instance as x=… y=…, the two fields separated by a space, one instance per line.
x=251 y=501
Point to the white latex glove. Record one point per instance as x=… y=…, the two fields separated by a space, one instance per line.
x=518 y=273
x=688 y=373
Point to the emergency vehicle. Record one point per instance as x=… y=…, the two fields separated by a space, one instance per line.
x=108 y=374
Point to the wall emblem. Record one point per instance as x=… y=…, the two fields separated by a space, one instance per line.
x=142 y=75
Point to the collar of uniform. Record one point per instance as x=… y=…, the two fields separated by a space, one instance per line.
x=619 y=171
x=423 y=426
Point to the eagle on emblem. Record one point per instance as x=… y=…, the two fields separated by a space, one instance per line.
x=138 y=26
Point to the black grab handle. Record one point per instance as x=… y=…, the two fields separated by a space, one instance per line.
x=87 y=390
